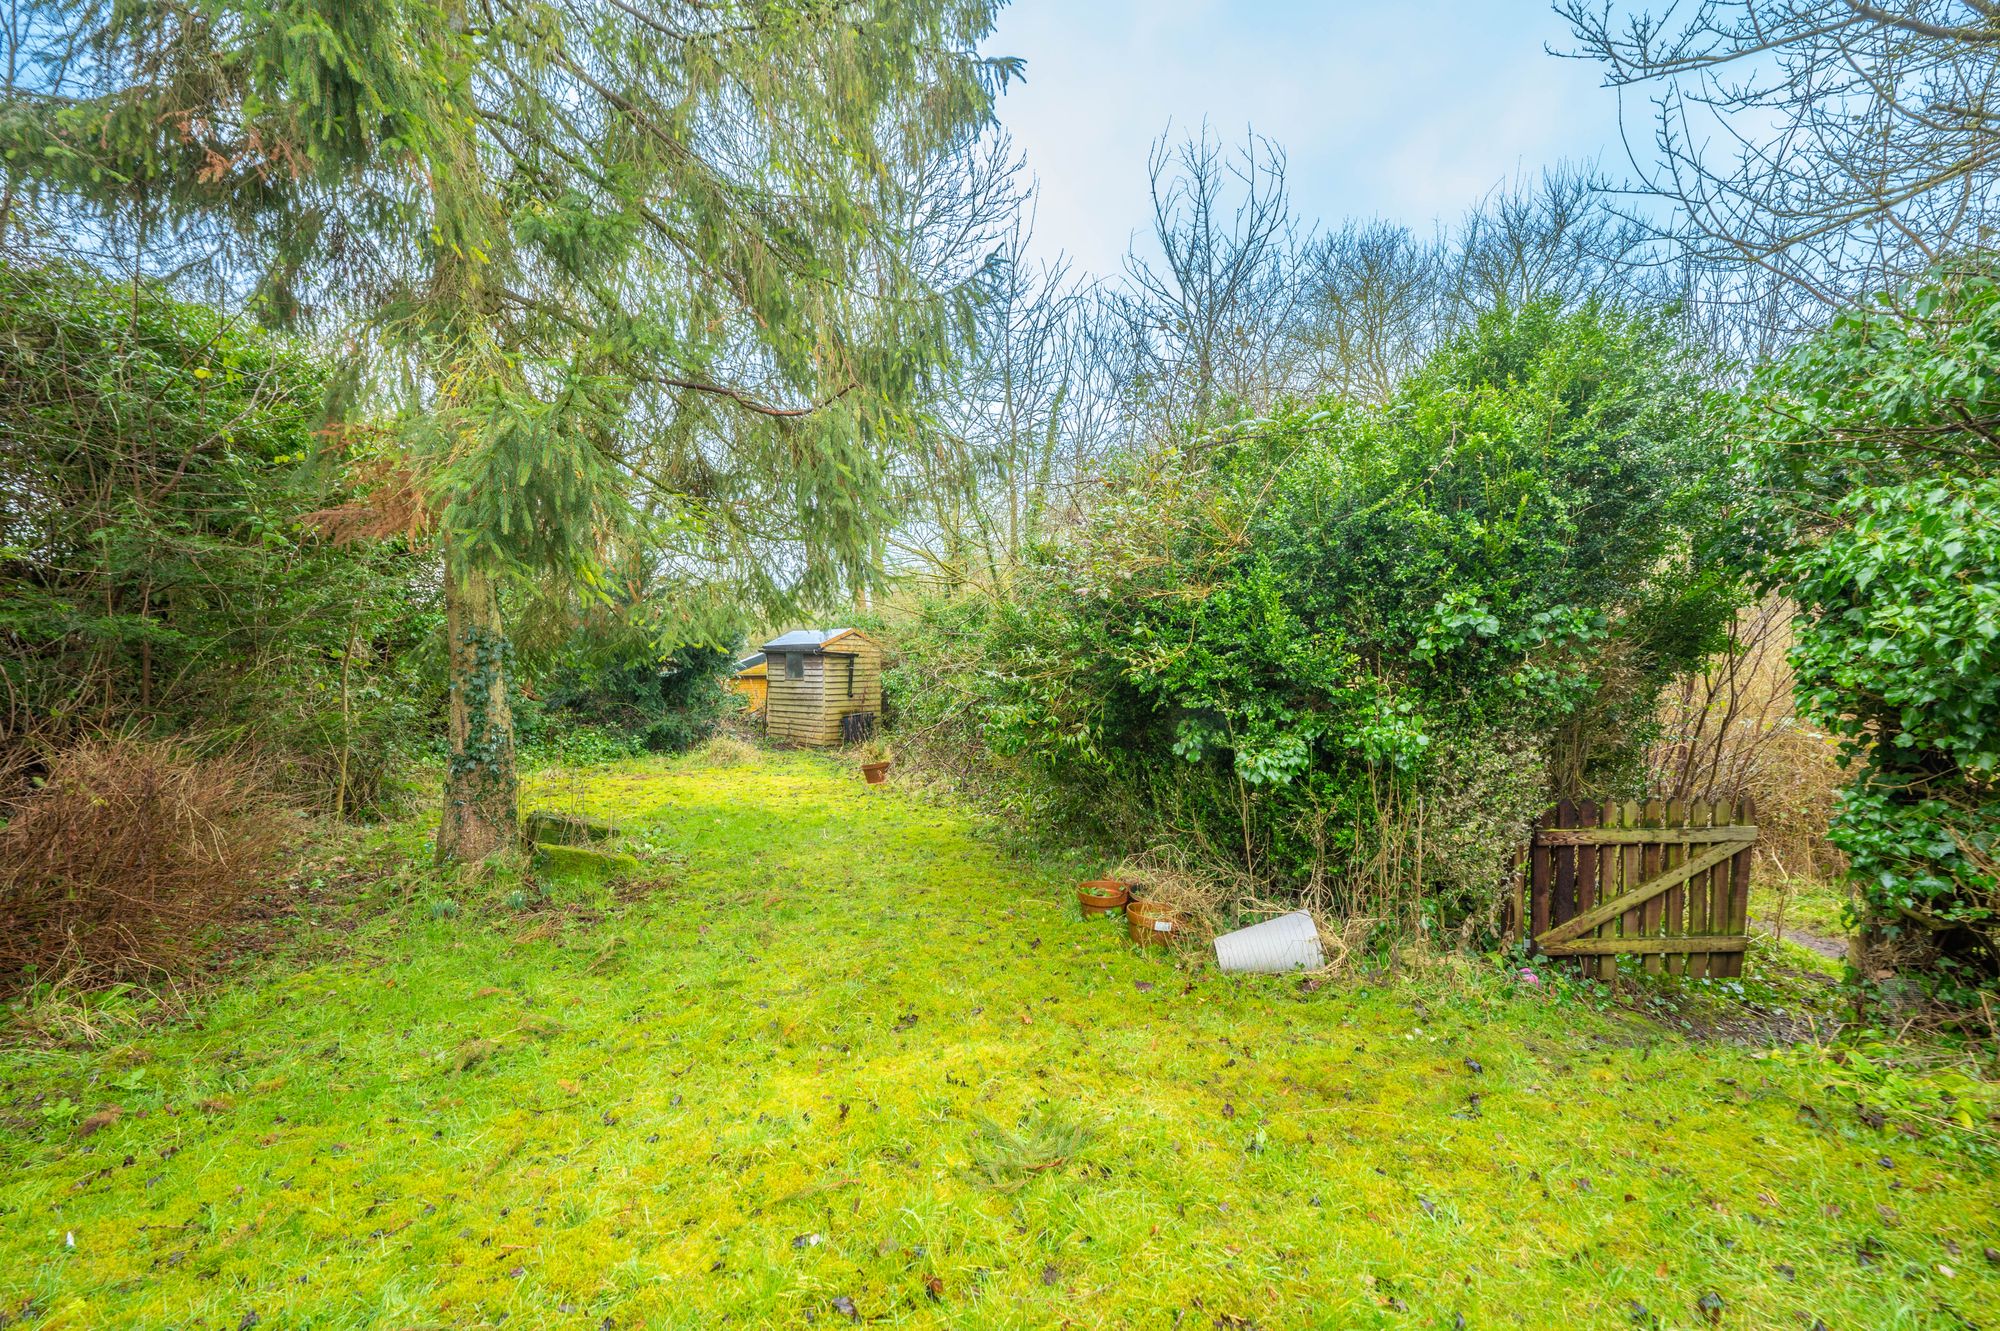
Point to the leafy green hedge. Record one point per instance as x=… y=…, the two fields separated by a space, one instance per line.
x=1354 y=650
x=156 y=465
x=1881 y=513
x=625 y=688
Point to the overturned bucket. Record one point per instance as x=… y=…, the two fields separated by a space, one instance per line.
x=1287 y=943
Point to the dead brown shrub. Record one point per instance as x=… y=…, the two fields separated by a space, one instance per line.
x=1732 y=729
x=727 y=750
x=126 y=856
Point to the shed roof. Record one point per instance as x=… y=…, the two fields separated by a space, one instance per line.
x=805 y=640
x=750 y=662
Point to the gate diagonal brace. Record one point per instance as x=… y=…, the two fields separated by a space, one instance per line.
x=1553 y=939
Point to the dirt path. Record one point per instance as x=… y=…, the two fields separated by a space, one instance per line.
x=1834 y=949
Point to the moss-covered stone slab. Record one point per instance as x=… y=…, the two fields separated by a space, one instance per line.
x=565 y=829
x=582 y=862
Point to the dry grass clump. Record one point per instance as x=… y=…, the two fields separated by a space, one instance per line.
x=727 y=751
x=68 y=1012
x=1732 y=729
x=1170 y=876
x=1342 y=942
x=1207 y=894
x=130 y=850
x=1210 y=893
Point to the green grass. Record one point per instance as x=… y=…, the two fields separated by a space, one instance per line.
x=1816 y=907
x=846 y=1056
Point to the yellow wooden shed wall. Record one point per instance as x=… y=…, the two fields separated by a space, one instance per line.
x=752 y=684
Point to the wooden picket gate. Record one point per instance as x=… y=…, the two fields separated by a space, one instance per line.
x=1666 y=880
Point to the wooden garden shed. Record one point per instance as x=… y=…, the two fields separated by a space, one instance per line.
x=816 y=678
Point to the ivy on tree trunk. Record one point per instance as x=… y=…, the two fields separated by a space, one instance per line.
x=480 y=813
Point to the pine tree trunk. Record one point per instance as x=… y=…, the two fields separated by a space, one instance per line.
x=480 y=815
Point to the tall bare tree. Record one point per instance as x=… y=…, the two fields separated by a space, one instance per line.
x=1212 y=316
x=1551 y=234
x=1031 y=411
x=1232 y=305
x=1373 y=302
x=1837 y=145
x=1375 y=298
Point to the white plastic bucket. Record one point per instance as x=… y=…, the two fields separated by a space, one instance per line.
x=1287 y=943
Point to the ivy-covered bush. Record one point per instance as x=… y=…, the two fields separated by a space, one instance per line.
x=1880 y=476
x=1355 y=649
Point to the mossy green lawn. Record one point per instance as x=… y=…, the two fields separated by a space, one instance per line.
x=848 y=1059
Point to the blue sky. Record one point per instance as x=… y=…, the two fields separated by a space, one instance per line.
x=1409 y=111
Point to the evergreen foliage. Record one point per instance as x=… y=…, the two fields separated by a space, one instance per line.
x=1879 y=462
x=155 y=462
x=598 y=262
x=1353 y=648
x=619 y=686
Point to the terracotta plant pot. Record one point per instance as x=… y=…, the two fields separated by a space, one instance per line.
x=876 y=773
x=1101 y=896
x=1152 y=924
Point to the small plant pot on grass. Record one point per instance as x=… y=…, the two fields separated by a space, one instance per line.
x=876 y=773
x=1151 y=924
x=1101 y=896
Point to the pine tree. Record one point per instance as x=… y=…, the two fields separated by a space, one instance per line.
x=599 y=264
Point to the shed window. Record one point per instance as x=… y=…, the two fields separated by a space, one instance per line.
x=795 y=665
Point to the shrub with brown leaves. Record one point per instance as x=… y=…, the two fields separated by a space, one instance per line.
x=127 y=857
x=1732 y=729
